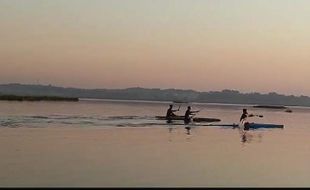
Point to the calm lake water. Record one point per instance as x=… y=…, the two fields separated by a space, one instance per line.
x=128 y=147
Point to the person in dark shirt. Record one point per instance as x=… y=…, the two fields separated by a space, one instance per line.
x=188 y=114
x=245 y=115
x=170 y=113
x=243 y=118
x=187 y=118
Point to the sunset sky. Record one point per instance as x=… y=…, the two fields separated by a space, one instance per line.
x=246 y=45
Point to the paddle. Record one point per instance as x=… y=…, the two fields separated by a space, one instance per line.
x=178 y=108
x=252 y=115
x=201 y=109
x=194 y=113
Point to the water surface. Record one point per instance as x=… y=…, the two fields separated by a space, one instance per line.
x=103 y=143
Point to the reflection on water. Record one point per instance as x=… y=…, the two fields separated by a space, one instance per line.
x=188 y=130
x=120 y=114
x=249 y=137
x=186 y=127
x=164 y=155
x=246 y=136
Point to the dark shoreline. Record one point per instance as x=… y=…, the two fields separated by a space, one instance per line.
x=36 y=98
x=156 y=94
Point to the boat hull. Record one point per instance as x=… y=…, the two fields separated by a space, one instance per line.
x=248 y=126
x=196 y=119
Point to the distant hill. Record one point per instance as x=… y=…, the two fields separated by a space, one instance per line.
x=155 y=94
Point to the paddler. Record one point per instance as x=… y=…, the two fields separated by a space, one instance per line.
x=188 y=114
x=170 y=113
x=243 y=118
x=187 y=118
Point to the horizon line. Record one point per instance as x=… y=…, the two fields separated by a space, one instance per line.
x=60 y=86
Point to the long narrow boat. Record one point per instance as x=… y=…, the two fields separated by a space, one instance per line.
x=250 y=126
x=195 y=119
x=270 y=107
x=262 y=125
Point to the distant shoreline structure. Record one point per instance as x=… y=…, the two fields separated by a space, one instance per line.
x=177 y=96
x=36 y=98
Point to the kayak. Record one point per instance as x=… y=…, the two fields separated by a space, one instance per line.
x=248 y=126
x=201 y=119
x=270 y=107
x=196 y=119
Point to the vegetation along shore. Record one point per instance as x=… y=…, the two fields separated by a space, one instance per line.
x=37 y=98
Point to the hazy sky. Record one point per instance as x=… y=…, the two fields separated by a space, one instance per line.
x=247 y=45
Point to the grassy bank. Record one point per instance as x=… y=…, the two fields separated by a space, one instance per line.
x=37 y=98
